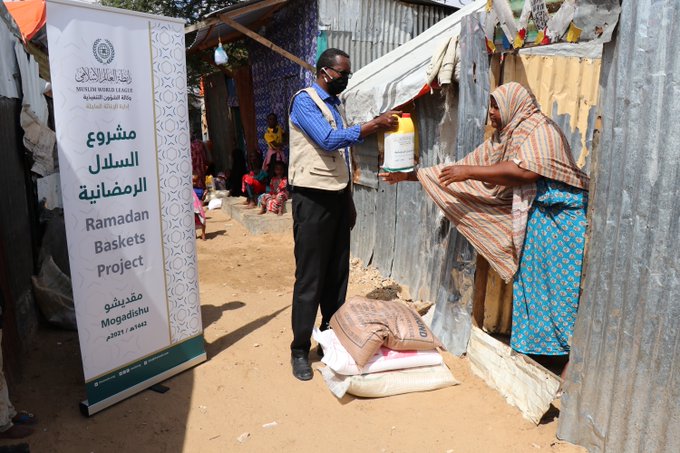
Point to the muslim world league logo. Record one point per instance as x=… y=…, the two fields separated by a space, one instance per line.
x=103 y=51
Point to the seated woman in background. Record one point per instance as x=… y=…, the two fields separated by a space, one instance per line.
x=277 y=194
x=254 y=182
x=521 y=201
x=274 y=136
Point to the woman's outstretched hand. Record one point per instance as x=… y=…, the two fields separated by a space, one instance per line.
x=453 y=173
x=393 y=177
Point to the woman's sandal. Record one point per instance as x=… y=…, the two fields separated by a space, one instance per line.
x=24 y=418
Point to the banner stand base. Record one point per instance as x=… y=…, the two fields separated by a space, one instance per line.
x=159 y=388
x=88 y=409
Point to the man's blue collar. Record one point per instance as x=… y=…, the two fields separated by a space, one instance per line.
x=325 y=96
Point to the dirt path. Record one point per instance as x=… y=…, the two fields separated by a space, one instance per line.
x=246 y=286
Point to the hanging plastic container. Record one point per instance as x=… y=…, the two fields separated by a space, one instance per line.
x=221 y=56
x=400 y=146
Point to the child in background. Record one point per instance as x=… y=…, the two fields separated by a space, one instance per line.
x=220 y=181
x=199 y=215
x=274 y=137
x=255 y=182
x=277 y=194
x=198 y=190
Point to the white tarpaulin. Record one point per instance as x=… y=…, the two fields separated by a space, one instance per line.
x=399 y=76
x=453 y=3
x=120 y=105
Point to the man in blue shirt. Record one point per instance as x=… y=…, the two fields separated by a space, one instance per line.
x=323 y=209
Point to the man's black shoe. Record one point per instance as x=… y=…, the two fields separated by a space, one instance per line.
x=301 y=368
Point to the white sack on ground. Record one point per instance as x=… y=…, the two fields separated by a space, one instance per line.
x=388 y=383
x=215 y=203
x=340 y=361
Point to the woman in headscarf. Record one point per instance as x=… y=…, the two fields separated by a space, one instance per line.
x=521 y=201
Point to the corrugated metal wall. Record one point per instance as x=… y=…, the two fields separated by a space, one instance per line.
x=400 y=231
x=623 y=386
x=452 y=320
x=18 y=205
x=367 y=30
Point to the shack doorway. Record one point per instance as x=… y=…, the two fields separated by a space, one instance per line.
x=566 y=87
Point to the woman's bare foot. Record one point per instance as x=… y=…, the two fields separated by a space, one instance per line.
x=16 y=432
x=251 y=205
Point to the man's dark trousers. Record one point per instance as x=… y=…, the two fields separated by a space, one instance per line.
x=322 y=238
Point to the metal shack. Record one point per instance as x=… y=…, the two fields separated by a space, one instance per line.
x=615 y=104
x=28 y=171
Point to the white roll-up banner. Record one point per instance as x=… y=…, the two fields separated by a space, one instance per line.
x=120 y=105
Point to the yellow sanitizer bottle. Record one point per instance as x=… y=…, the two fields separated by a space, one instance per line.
x=400 y=146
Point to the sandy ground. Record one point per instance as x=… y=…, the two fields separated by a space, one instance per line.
x=246 y=286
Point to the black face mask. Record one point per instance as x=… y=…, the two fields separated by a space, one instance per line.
x=336 y=85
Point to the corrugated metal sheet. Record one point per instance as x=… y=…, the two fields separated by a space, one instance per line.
x=623 y=386
x=369 y=30
x=404 y=234
x=39 y=139
x=9 y=35
x=32 y=86
x=17 y=203
x=219 y=119
x=393 y=226
x=452 y=318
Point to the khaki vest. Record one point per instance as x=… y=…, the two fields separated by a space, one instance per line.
x=309 y=165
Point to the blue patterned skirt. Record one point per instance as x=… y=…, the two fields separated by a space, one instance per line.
x=546 y=287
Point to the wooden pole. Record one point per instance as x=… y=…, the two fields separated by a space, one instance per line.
x=265 y=42
x=211 y=62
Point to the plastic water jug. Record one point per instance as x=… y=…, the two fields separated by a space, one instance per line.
x=400 y=146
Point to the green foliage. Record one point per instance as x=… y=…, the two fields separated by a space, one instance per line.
x=191 y=11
